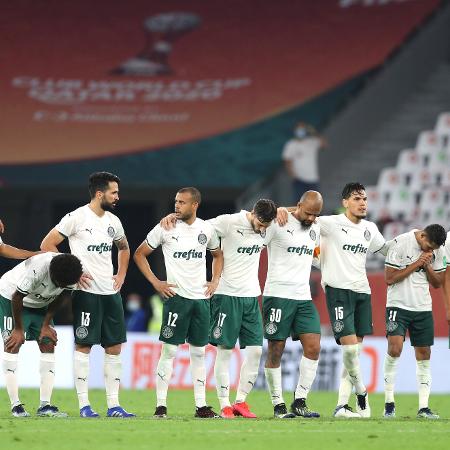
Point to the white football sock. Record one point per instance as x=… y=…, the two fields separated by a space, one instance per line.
x=164 y=372
x=112 y=366
x=346 y=385
x=249 y=372
x=47 y=372
x=10 y=361
x=198 y=372
x=308 y=369
x=390 y=371
x=273 y=379
x=350 y=355
x=222 y=375
x=81 y=373
x=423 y=373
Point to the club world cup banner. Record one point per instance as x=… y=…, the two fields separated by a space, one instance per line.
x=90 y=79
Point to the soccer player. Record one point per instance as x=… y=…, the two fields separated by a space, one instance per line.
x=29 y=297
x=186 y=308
x=97 y=309
x=288 y=309
x=415 y=261
x=345 y=240
x=235 y=312
x=446 y=283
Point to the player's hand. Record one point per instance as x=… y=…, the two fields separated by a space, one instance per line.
x=425 y=259
x=282 y=216
x=168 y=222
x=164 y=289
x=85 y=281
x=15 y=341
x=118 y=282
x=2 y=227
x=211 y=287
x=48 y=332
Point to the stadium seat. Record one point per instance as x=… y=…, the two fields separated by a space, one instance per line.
x=402 y=204
x=427 y=143
x=388 y=181
x=442 y=128
x=376 y=206
x=393 y=229
x=408 y=162
x=421 y=179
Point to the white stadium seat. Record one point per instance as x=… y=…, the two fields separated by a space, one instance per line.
x=388 y=180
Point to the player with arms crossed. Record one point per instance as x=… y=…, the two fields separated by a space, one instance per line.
x=415 y=261
x=288 y=309
x=98 y=312
x=186 y=308
x=29 y=297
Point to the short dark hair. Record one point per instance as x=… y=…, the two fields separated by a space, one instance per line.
x=99 y=181
x=265 y=210
x=349 y=188
x=195 y=193
x=436 y=234
x=65 y=269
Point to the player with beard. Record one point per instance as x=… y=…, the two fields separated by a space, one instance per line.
x=98 y=312
x=288 y=309
x=345 y=240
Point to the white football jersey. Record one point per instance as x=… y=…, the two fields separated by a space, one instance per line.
x=184 y=249
x=241 y=251
x=290 y=250
x=1 y=241
x=413 y=292
x=343 y=251
x=32 y=277
x=447 y=250
x=91 y=239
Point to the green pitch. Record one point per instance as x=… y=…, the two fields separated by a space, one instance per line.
x=184 y=432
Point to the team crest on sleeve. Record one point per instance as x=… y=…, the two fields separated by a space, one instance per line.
x=338 y=326
x=111 y=231
x=262 y=233
x=217 y=332
x=167 y=332
x=312 y=234
x=391 y=326
x=271 y=328
x=202 y=239
x=81 y=332
x=367 y=235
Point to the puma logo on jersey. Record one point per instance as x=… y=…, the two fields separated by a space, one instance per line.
x=344 y=230
x=291 y=232
x=409 y=257
x=89 y=230
x=175 y=238
x=11 y=370
x=45 y=285
x=240 y=232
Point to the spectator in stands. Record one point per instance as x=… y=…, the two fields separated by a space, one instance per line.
x=137 y=315
x=300 y=156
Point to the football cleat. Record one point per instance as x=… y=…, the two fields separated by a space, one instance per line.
x=426 y=413
x=88 y=413
x=346 y=412
x=299 y=408
x=227 y=413
x=389 y=410
x=362 y=405
x=205 y=412
x=160 y=412
x=118 y=411
x=50 y=411
x=243 y=409
x=19 y=411
x=280 y=412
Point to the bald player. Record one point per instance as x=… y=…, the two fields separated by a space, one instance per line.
x=288 y=309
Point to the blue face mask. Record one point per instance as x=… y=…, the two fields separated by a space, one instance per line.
x=300 y=133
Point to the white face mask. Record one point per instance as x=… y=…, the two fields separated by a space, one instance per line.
x=300 y=133
x=133 y=305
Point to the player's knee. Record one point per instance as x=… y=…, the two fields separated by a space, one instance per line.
x=168 y=351
x=312 y=351
x=48 y=347
x=395 y=350
x=350 y=353
x=254 y=353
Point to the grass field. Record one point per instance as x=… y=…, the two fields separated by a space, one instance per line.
x=181 y=431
